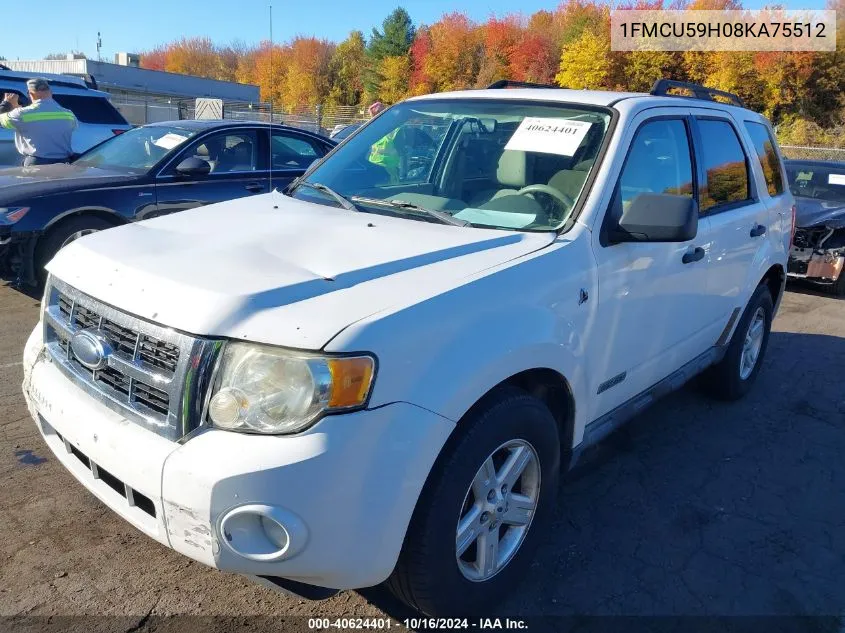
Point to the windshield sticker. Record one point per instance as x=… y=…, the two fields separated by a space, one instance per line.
x=836 y=179
x=170 y=140
x=496 y=218
x=549 y=136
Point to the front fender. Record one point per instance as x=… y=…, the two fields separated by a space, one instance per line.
x=447 y=352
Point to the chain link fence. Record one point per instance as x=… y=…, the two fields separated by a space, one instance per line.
x=807 y=152
x=323 y=119
x=140 y=109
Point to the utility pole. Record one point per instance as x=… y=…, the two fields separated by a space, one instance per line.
x=99 y=46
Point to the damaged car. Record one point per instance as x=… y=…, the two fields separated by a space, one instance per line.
x=818 y=250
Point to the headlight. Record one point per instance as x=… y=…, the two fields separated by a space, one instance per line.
x=262 y=389
x=10 y=215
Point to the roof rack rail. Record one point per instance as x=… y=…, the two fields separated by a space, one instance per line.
x=507 y=83
x=662 y=87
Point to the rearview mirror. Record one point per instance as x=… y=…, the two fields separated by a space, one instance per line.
x=488 y=125
x=657 y=217
x=193 y=166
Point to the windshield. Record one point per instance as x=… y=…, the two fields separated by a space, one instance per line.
x=137 y=149
x=488 y=163
x=819 y=182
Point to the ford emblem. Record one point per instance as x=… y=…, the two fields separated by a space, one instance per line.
x=91 y=348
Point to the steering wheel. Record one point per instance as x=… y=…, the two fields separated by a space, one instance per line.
x=549 y=191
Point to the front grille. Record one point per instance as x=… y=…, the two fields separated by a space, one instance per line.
x=148 y=367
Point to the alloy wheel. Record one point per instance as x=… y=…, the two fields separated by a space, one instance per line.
x=497 y=510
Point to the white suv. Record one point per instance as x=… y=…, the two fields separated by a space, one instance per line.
x=381 y=373
x=98 y=119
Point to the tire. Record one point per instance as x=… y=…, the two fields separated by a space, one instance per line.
x=730 y=379
x=61 y=235
x=429 y=576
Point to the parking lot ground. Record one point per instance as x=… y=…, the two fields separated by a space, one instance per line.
x=695 y=508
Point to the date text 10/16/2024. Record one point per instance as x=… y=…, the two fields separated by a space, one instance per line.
x=432 y=624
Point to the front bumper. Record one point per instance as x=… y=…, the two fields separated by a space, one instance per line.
x=344 y=490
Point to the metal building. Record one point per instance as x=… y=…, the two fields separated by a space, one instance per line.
x=142 y=95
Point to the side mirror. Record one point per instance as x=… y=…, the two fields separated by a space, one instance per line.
x=656 y=217
x=193 y=166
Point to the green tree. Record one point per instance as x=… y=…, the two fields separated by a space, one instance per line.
x=394 y=40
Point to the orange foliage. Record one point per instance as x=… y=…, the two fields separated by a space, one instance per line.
x=569 y=42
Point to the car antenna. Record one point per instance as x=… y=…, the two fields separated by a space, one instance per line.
x=270 y=131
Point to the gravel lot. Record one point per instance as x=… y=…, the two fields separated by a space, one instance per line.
x=695 y=508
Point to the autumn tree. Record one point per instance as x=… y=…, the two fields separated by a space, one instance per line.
x=421 y=81
x=193 y=56
x=306 y=72
x=537 y=55
x=456 y=51
x=154 y=59
x=347 y=70
x=500 y=38
x=395 y=73
x=266 y=68
x=586 y=62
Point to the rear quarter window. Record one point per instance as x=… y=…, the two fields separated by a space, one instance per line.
x=91 y=109
x=764 y=145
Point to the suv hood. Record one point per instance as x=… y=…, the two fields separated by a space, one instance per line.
x=813 y=212
x=277 y=270
x=18 y=183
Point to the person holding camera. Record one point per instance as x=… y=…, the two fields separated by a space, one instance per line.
x=43 y=130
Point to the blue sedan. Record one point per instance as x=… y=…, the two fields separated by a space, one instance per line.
x=143 y=173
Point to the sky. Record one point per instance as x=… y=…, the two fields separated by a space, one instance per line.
x=68 y=26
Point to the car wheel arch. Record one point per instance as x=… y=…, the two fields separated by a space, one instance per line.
x=104 y=213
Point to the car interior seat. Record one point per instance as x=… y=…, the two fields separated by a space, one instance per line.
x=236 y=158
x=511 y=174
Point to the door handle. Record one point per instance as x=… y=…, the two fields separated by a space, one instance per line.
x=758 y=230
x=254 y=187
x=694 y=255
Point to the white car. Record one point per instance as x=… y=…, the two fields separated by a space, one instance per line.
x=379 y=376
x=98 y=119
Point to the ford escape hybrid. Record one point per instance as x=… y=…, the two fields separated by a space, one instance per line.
x=380 y=373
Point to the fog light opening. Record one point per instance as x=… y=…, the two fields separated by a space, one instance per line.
x=275 y=532
x=262 y=533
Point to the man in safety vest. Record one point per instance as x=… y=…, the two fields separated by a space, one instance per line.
x=43 y=130
x=384 y=152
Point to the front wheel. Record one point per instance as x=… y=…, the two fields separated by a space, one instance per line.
x=61 y=235
x=483 y=509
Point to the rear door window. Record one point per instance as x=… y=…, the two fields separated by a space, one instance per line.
x=291 y=151
x=91 y=109
x=726 y=182
x=764 y=145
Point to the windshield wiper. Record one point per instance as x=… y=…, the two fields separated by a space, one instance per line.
x=444 y=218
x=341 y=200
